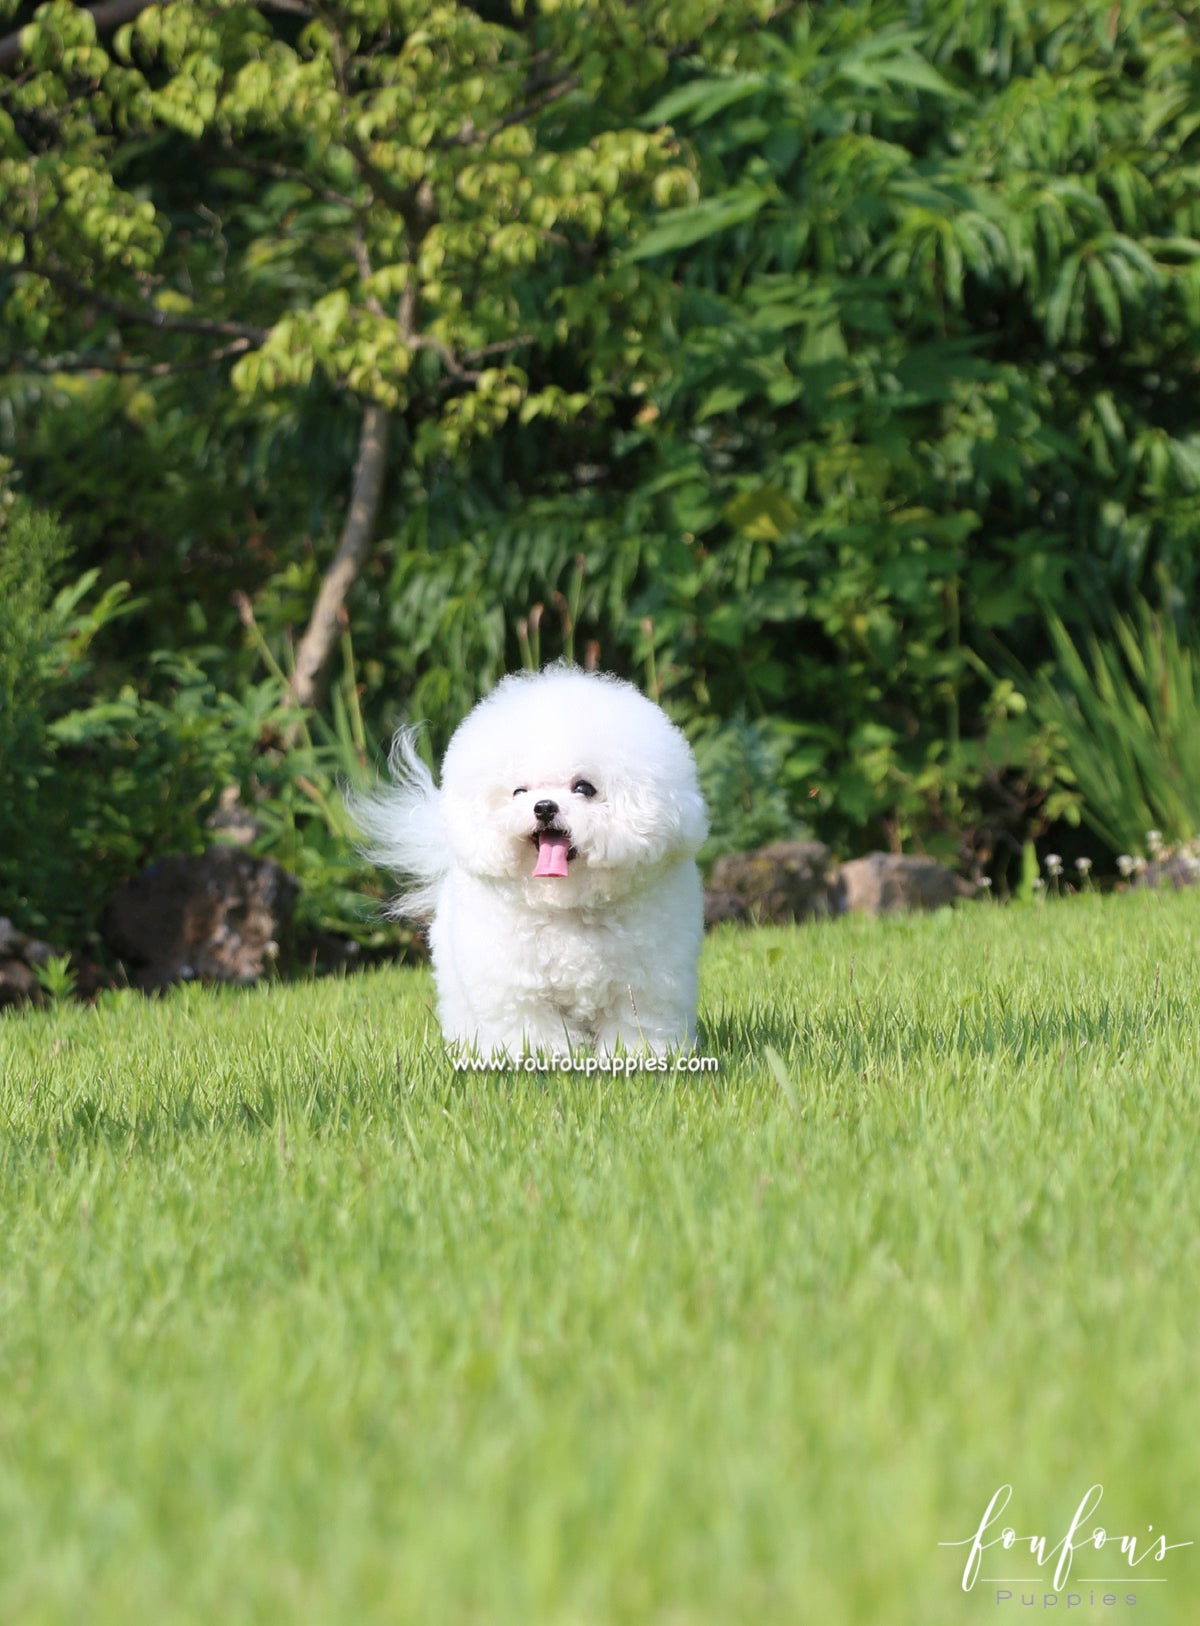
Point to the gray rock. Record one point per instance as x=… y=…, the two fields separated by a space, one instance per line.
x=1175 y=870
x=722 y=904
x=886 y=883
x=16 y=945
x=775 y=885
x=218 y=917
x=17 y=983
x=19 y=953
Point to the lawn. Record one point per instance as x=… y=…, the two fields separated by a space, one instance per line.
x=296 y=1324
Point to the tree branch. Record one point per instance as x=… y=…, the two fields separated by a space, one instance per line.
x=539 y=98
x=411 y=203
x=101 y=362
x=462 y=368
x=325 y=623
x=145 y=315
x=230 y=158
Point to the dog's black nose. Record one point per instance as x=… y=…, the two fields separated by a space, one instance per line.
x=545 y=811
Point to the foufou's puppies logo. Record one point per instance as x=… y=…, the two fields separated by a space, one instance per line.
x=1125 y=1558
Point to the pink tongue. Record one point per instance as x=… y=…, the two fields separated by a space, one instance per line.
x=552 y=855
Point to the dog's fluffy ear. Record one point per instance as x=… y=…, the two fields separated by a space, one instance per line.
x=403 y=826
x=667 y=820
x=692 y=813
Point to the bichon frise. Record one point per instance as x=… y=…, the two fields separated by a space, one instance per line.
x=558 y=863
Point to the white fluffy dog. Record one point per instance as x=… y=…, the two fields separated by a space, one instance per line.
x=558 y=863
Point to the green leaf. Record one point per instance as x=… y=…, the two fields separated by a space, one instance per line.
x=766 y=514
x=703 y=99
x=1104 y=292
x=682 y=228
x=1059 y=306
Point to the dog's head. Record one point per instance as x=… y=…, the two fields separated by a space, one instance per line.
x=569 y=784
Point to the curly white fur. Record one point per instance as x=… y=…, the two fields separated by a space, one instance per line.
x=563 y=770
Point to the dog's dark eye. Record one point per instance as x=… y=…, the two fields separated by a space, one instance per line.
x=584 y=787
x=520 y=790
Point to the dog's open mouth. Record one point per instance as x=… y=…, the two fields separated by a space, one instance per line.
x=554 y=852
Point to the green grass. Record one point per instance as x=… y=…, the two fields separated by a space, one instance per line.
x=298 y=1325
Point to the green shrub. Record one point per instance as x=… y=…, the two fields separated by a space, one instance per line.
x=1125 y=710
x=902 y=349
x=749 y=772
x=45 y=635
x=100 y=775
x=31 y=551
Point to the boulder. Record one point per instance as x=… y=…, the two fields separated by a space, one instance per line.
x=19 y=953
x=722 y=904
x=886 y=883
x=219 y=916
x=798 y=880
x=1175 y=870
x=17 y=982
x=775 y=885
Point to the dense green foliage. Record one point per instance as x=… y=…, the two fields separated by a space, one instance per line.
x=98 y=778
x=91 y=783
x=1128 y=715
x=946 y=372
x=299 y=1326
x=841 y=344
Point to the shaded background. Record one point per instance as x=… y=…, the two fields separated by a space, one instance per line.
x=830 y=371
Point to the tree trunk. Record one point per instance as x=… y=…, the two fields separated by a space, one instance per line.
x=320 y=637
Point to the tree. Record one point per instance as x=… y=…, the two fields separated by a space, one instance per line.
x=935 y=335
x=383 y=195
x=839 y=347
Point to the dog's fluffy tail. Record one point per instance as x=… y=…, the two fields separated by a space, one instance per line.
x=403 y=828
